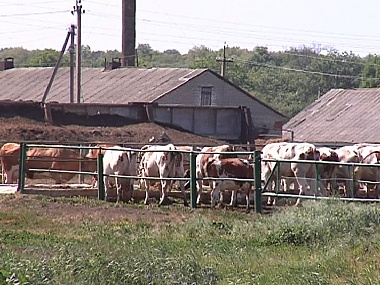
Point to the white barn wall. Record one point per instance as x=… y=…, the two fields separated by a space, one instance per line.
x=224 y=94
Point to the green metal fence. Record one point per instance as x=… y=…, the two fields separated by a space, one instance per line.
x=262 y=188
x=100 y=171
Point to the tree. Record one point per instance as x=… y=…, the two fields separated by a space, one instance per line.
x=46 y=58
x=371 y=72
x=19 y=54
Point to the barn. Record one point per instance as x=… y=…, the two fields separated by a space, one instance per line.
x=196 y=100
x=339 y=117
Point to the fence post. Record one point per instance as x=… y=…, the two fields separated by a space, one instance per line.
x=21 y=170
x=257 y=181
x=317 y=179
x=193 y=181
x=101 y=191
x=81 y=176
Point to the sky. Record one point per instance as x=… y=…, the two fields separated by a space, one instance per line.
x=343 y=25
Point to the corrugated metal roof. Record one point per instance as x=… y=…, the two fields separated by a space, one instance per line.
x=339 y=116
x=118 y=86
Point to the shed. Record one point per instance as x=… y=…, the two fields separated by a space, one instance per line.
x=173 y=86
x=339 y=117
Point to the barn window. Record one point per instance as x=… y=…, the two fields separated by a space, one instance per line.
x=206 y=93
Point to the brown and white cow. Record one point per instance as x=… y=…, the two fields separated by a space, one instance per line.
x=161 y=162
x=348 y=173
x=229 y=168
x=9 y=156
x=120 y=161
x=206 y=154
x=289 y=171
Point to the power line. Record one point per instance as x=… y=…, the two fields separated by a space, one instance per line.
x=360 y=37
x=300 y=70
x=35 y=13
x=269 y=36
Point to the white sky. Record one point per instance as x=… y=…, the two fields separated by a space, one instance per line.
x=346 y=25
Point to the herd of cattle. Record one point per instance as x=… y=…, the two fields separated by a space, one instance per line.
x=300 y=168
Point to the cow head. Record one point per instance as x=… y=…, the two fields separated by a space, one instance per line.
x=309 y=153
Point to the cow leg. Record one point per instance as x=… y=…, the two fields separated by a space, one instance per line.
x=302 y=188
x=247 y=200
x=94 y=181
x=181 y=173
x=182 y=187
x=215 y=193
x=130 y=186
x=147 y=186
x=122 y=186
x=233 y=202
x=10 y=175
x=164 y=189
x=106 y=187
x=119 y=190
x=199 y=187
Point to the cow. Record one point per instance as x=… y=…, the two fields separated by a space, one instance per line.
x=162 y=162
x=207 y=153
x=370 y=176
x=297 y=171
x=120 y=161
x=93 y=155
x=350 y=156
x=51 y=158
x=327 y=172
x=229 y=168
x=9 y=156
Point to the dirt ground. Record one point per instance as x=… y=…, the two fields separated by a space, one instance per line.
x=18 y=129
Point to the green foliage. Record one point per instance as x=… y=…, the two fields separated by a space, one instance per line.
x=371 y=72
x=320 y=243
x=44 y=58
x=319 y=223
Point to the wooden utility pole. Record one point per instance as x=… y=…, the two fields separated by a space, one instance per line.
x=79 y=11
x=224 y=60
x=47 y=90
x=128 y=32
x=71 y=51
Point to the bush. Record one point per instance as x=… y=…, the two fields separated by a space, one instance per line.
x=322 y=222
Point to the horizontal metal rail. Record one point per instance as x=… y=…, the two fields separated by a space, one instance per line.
x=60 y=171
x=136 y=149
x=271 y=194
x=40 y=170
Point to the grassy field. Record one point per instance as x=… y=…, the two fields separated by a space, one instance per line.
x=84 y=241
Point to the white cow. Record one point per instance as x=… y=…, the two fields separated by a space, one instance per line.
x=370 y=176
x=120 y=161
x=297 y=171
x=161 y=162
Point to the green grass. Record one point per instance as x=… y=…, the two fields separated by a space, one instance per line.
x=320 y=243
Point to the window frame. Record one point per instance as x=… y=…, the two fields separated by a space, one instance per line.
x=206 y=95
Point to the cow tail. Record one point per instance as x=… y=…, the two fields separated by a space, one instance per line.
x=373 y=152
